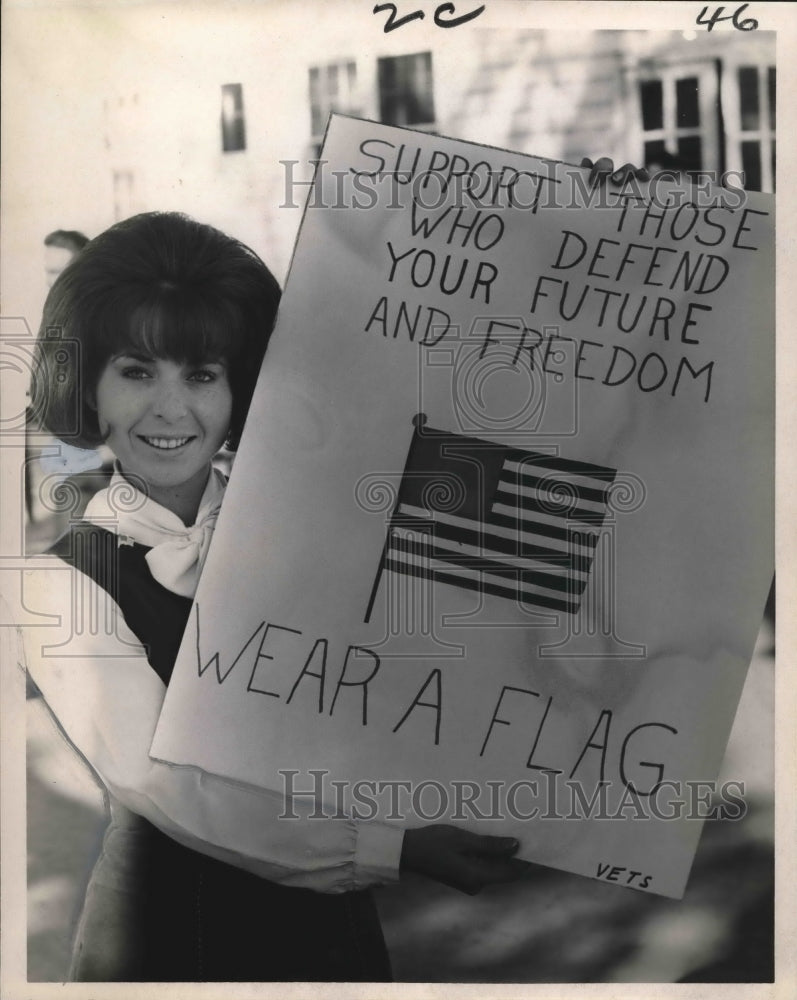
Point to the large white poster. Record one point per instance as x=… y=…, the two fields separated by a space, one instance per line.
x=498 y=537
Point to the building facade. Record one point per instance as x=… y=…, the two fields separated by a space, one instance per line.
x=646 y=97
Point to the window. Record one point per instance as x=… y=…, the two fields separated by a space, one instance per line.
x=406 y=95
x=333 y=88
x=233 y=126
x=756 y=135
x=679 y=114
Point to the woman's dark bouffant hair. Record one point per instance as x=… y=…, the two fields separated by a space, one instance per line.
x=160 y=284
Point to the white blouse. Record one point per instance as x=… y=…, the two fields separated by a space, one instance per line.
x=94 y=676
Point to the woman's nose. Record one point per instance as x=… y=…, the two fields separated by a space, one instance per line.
x=170 y=402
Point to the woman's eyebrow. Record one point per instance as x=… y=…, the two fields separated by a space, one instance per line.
x=150 y=359
x=133 y=356
x=207 y=362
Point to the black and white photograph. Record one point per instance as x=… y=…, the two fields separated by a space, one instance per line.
x=395 y=479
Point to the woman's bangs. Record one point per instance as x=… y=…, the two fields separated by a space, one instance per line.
x=182 y=326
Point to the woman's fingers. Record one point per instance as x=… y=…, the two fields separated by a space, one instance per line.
x=471 y=874
x=600 y=170
x=460 y=859
x=627 y=170
x=603 y=169
x=487 y=846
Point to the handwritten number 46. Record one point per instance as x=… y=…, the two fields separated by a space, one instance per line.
x=442 y=21
x=749 y=24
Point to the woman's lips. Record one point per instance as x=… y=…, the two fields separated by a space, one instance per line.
x=165 y=443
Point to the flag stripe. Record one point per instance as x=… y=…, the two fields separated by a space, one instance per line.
x=552 y=485
x=425 y=549
x=481 y=585
x=509 y=541
x=564 y=501
x=562 y=568
x=508 y=517
x=509 y=523
x=523 y=460
x=515 y=501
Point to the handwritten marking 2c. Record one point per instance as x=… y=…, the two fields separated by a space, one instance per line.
x=440 y=18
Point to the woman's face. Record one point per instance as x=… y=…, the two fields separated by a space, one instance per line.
x=164 y=420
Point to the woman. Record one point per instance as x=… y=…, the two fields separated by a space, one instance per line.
x=151 y=342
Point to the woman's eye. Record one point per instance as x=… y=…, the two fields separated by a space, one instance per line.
x=135 y=372
x=203 y=375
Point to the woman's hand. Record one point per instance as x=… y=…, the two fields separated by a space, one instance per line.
x=604 y=169
x=463 y=860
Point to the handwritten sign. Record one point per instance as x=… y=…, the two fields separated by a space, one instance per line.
x=498 y=537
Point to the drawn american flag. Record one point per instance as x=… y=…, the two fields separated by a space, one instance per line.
x=482 y=516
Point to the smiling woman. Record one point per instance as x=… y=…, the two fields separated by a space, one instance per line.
x=151 y=342
x=157 y=286
x=164 y=421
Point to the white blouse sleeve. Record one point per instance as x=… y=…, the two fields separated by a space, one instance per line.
x=94 y=676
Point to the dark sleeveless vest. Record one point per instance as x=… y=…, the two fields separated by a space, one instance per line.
x=200 y=920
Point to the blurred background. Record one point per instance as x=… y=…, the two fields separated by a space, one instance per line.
x=118 y=109
x=114 y=111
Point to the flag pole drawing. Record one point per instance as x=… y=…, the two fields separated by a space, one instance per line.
x=495 y=519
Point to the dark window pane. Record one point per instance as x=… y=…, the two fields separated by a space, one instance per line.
x=748 y=98
x=655 y=154
x=771 y=89
x=387 y=73
x=233 y=129
x=690 y=152
x=686 y=103
x=751 y=165
x=652 y=101
x=773 y=165
x=405 y=89
x=316 y=123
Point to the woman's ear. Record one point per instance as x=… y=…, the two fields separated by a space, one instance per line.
x=91 y=399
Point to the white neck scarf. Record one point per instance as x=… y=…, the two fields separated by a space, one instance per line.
x=177 y=553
